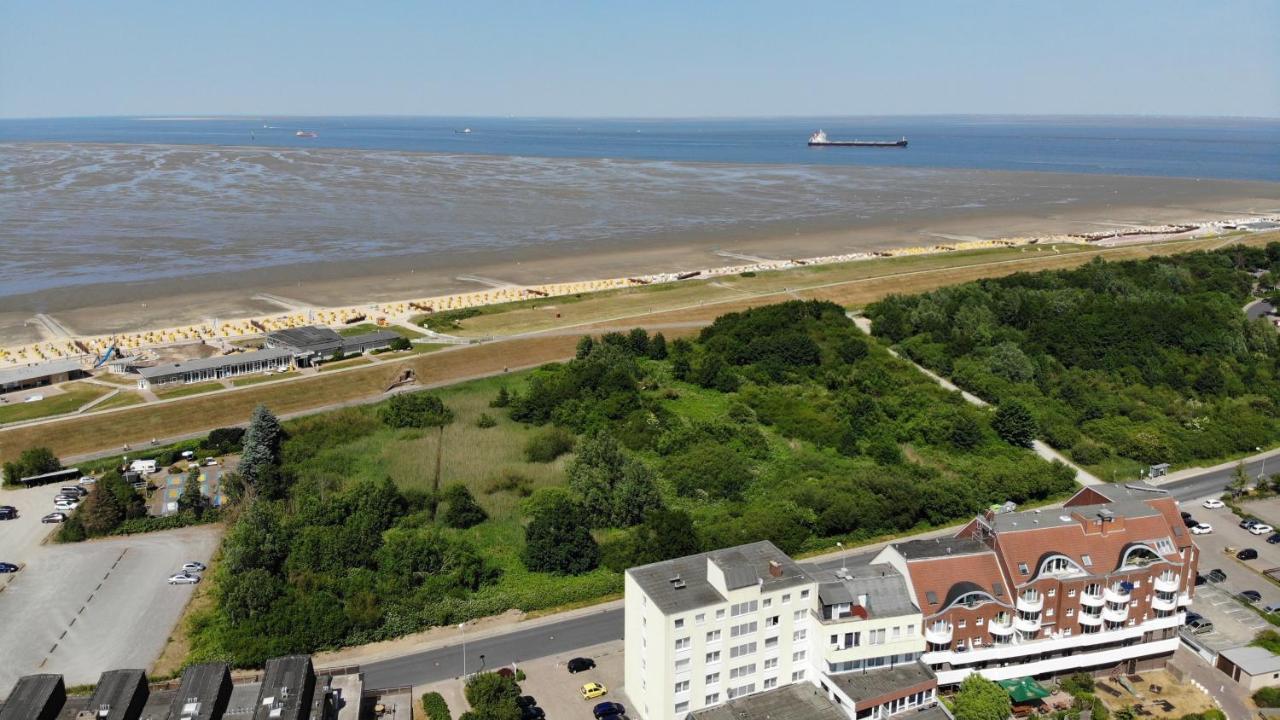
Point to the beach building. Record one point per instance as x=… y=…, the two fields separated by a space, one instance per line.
x=311 y=344
x=203 y=694
x=1100 y=585
x=213 y=368
x=35 y=697
x=119 y=695
x=735 y=625
x=1253 y=667
x=26 y=377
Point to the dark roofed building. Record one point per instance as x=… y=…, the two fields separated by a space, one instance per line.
x=287 y=686
x=24 y=377
x=312 y=343
x=120 y=695
x=908 y=685
x=203 y=694
x=35 y=697
x=213 y=368
x=684 y=583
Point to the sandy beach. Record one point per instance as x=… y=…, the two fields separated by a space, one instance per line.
x=151 y=207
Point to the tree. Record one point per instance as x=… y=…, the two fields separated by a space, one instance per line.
x=400 y=343
x=192 y=500
x=249 y=594
x=490 y=688
x=966 y=432
x=416 y=410
x=658 y=347
x=663 y=535
x=558 y=539
x=503 y=398
x=585 y=344
x=1014 y=424
x=32 y=461
x=638 y=340
x=261 y=445
x=980 y=699
x=102 y=511
x=461 y=509
x=223 y=441
x=618 y=489
x=715 y=469
x=1239 y=481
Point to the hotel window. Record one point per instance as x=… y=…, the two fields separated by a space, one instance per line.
x=797 y=676
x=1022 y=568
x=962 y=623
x=744 y=608
x=713 y=657
x=713 y=636
x=682 y=686
x=1071 y=593
x=770 y=643
x=742 y=671
x=682 y=664
x=978 y=622
x=743 y=629
x=799 y=655
x=804 y=594
x=743 y=649
x=682 y=707
x=768 y=602
x=712 y=699
x=797 y=615
x=682 y=643
x=798 y=635
x=786 y=598
x=700 y=618
x=771 y=621
x=1053 y=591
x=679 y=623
x=720 y=614
x=1071 y=612
x=1086 y=560
x=770 y=683
x=713 y=678
x=770 y=663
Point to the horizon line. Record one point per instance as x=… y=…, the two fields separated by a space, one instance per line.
x=649 y=118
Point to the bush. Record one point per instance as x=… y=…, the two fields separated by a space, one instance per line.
x=510 y=481
x=461 y=510
x=548 y=445
x=1077 y=683
x=415 y=410
x=485 y=421
x=1268 y=697
x=33 y=461
x=434 y=705
x=400 y=343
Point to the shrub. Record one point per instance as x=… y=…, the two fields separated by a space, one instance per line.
x=1268 y=697
x=400 y=343
x=485 y=421
x=1014 y=424
x=510 y=481
x=1077 y=683
x=33 y=461
x=461 y=510
x=415 y=410
x=224 y=441
x=434 y=705
x=502 y=399
x=548 y=445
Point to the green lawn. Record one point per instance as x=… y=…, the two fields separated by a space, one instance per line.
x=124 y=398
x=349 y=362
x=74 y=395
x=185 y=390
x=263 y=377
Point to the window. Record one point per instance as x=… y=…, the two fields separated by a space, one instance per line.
x=682 y=643
x=743 y=649
x=770 y=643
x=768 y=602
x=771 y=621
x=897 y=631
x=1022 y=568
x=700 y=618
x=679 y=623
x=978 y=622
x=712 y=699
x=1164 y=546
x=713 y=636
x=1053 y=591
x=1071 y=612
x=804 y=594
x=963 y=623
x=770 y=663
x=682 y=664
x=682 y=686
x=798 y=615
x=1048 y=613
x=1071 y=593
x=1066 y=633
x=786 y=598
x=713 y=657
x=835 y=639
x=876 y=637
x=770 y=683
x=931 y=596
x=740 y=691
x=797 y=676
x=742 y=671
x=720 y=614
x=682 y=707
x=799 y=635
x=799 y=655
x=743 y=629
x=1086 y=560
x=744 y=607
x=713 y=678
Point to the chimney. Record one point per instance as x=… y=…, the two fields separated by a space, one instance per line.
x=775 y=568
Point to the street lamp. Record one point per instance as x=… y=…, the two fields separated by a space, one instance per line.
x=462 y=627
x=481 y=663
x=844 y=560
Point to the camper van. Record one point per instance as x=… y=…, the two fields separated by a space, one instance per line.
x=146 y=467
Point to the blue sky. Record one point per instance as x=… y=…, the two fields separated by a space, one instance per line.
x=648 y=58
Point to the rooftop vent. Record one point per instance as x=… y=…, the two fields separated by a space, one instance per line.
x=676 y=582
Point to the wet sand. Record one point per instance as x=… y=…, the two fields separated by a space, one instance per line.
x=861 y=209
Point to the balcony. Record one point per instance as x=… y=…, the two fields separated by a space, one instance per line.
x=1027 y=626
x=1115 y=616
x=1030 y=604
x=938 y=634
x=1184 y=599
x=1169 y=583
x=1168 y=604
x=1092 y=600
x=1000 y=629
x=1090 y=620
x=1116 y=595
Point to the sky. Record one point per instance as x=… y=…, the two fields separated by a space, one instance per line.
x=655 y=58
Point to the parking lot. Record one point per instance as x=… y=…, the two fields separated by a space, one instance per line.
x=555 y=688
x=1233 y=623
x=81 y=608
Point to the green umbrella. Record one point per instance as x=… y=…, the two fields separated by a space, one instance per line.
x=1024 y=689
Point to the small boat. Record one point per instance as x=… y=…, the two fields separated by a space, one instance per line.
x=305 y=134
x=819 y=139
x=463 y=131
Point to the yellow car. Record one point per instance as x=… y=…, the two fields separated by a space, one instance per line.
x=593 y=690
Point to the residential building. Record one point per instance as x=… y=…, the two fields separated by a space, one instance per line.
x=203 y=694
x=35 y=697
x=1101 y=584
x=1253 y=667
x=288 y=684
x=219 y=367
x=119 y=695
x=719 y=627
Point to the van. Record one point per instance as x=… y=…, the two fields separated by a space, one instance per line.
x=188 y=454
x=146 y=467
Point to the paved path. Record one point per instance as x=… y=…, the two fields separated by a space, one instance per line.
x=1228 y=694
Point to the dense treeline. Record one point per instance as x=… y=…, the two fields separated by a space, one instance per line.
x=1150 y=360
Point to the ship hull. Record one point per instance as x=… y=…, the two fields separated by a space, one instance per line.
x=859 y=143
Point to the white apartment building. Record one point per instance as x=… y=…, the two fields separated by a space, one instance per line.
x=724 y=627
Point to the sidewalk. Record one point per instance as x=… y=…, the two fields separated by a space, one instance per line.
x=1225 y=692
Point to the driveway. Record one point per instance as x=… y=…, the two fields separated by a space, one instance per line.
x=81 y=608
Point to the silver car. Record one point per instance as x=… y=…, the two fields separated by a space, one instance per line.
x=184 y=579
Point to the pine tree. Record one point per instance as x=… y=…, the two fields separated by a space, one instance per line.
x=261 y=445
x=1013 y=422
x=585 y=345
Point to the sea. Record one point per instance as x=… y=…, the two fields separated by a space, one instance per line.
x=1222 y=148
x=124 y=200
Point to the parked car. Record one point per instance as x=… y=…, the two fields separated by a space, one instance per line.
x=210 y=462
x=1194 y=616
x=1262 y=529
x=1273 y=539
x=533 y=712
x=67 y=498
x=1271 y=608
x=608 y=710
x=54 y=517
x=184 y=579
x=8 y=512
x=580 y=664
x=1247 y=554
x=87 y=480
x=1214 y=504
x=1251 y=596
x=65 y=506
x=73 y=490
x=1249 y=522
x=1216 y=576
x=1185 y=514
x=593 y=690
x=1190 y=522
x=1200 y=626
x=1202 y=529
x=526 y=701
x=193 y=566
x=6 y=567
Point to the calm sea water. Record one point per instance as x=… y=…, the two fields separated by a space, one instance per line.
x=1170 y=147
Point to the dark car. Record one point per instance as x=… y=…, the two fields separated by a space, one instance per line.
x=1247 y=554
x=533 y=712
x=608 y=710
x=8 y=512
x=1273 y=539
x=1192 y=616
x=1252 y=596
x=1200 y=580
x=1215 y=576
x=54 y=517
x=1190 y=521
x=578 y=665
x=525 y=701
x=1185 y=514
x=1249 y=522
x=8 y=567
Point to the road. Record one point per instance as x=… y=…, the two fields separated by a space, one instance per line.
x=1214 y=480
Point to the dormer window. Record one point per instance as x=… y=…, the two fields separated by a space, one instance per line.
x=1022 y=568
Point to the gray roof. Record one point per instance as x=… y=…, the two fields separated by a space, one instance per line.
x=35 y=697
x=287 y=683
x=124 y=692
x=1124 y=505
x=366 y=339
x=1253 y=660
x=217 y=361
x=305 y=338
x=742 y=566
x=799 y=701
x=872 y=684
x=203 y=694
x=940 y=547
x=31 y=372
x=886 y=591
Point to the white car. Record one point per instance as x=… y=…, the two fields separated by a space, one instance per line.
x=184 y=579
x=88 y=480
x=194 y=567
x=65 y=506
x=1214 y=504
x=1202 y=529
x=1261 y=529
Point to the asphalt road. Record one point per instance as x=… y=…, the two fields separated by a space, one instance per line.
x=1212 y=482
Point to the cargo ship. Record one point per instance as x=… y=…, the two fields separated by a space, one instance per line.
x=819 y=139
